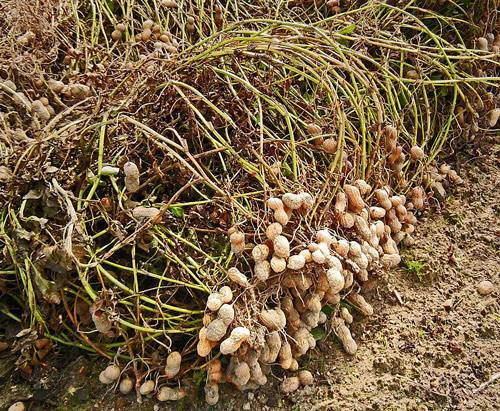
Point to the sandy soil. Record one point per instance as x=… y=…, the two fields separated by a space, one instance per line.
x=433 y=343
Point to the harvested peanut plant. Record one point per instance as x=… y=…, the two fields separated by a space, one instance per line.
x=199 y=187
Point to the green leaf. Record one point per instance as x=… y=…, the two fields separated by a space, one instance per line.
x=47 y=288
x=199 y=377
x=348 y=29
x=327 y=310
x=177 y=211
x=443 y=92
x=111 y=5
x=318 y=333
x=403 y=99
x=285 y=169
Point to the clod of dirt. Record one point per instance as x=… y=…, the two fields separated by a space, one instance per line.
x=145 y=212
x=171 y=394
x=305 y=377
x=289 y=385
x=76 y=91
x=19 y=135
x=485 y=287
x=5 y=174
x=448 y=304
x=439 y=191
x=18 y=406
x=40 y=110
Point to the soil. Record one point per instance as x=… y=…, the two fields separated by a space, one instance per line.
x=432 y=344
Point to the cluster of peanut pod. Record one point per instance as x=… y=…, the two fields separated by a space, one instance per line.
x=297 y=280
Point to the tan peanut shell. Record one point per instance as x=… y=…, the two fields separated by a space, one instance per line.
x=355 y=202
x=173 y=364
x=281 y=246
x=340 y=203
x=238 y=277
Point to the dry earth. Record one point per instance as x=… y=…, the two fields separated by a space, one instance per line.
x=433 y=344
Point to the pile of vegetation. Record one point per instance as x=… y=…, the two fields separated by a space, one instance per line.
x=202 y=186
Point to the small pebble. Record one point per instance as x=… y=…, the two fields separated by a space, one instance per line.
x=485 y=287
x=246 y=406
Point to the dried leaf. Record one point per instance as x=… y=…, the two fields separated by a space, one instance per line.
x=47 y=288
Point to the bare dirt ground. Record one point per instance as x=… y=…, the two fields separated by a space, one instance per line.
x=432 y=344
